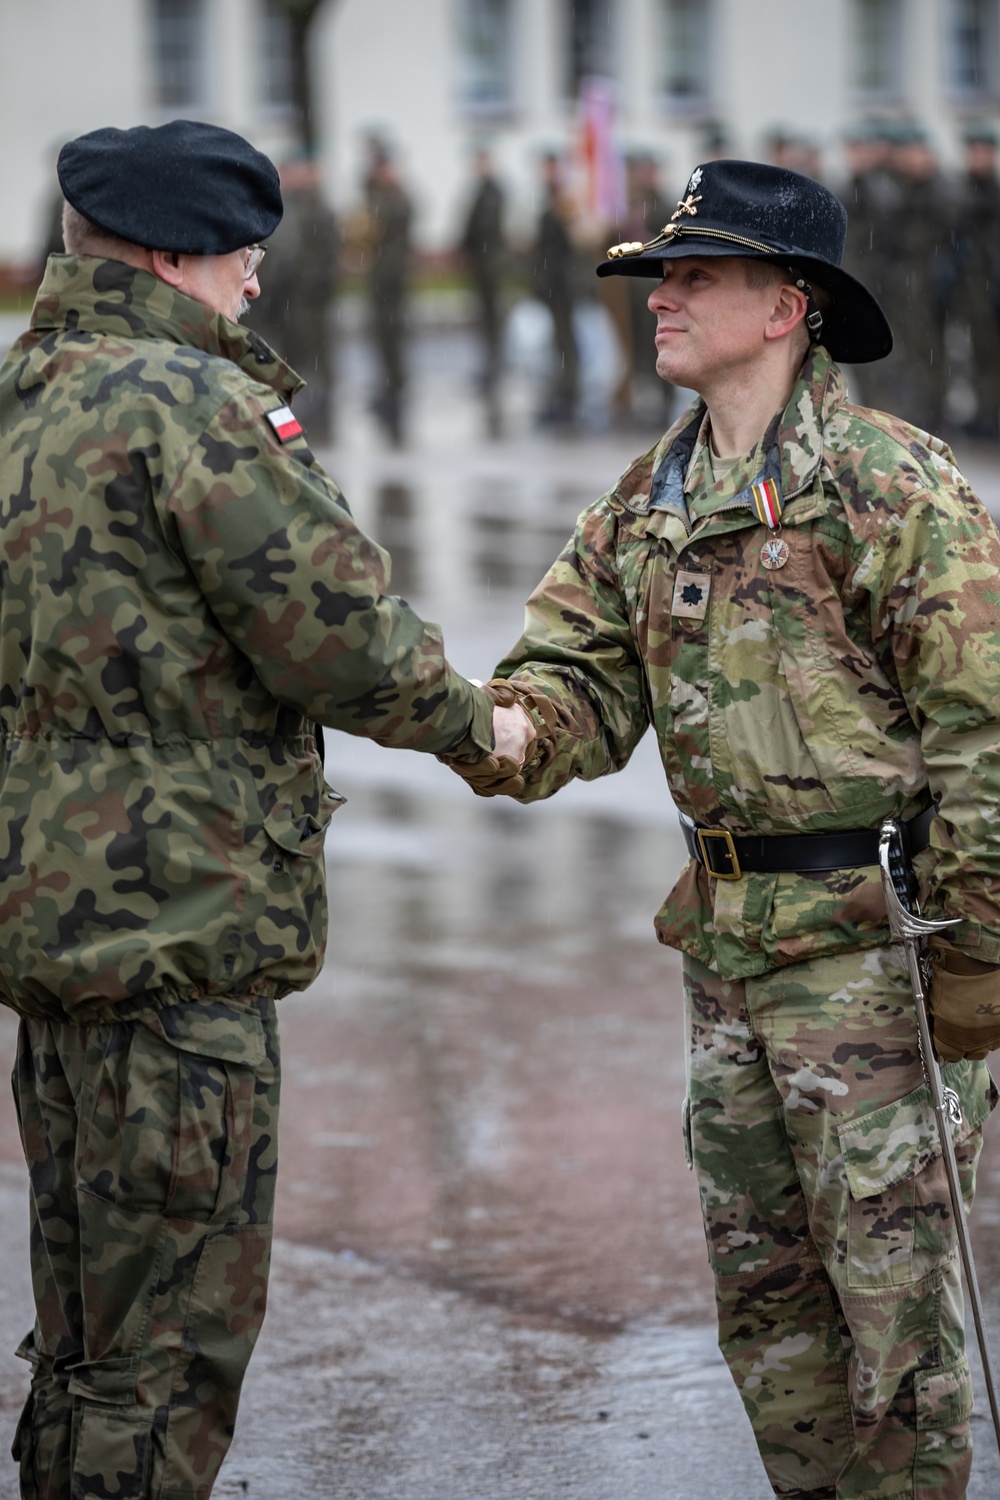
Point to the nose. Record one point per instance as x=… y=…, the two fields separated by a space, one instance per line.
x=251 y=288
x=662 y=298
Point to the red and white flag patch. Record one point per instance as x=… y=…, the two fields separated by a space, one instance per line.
x=285 y=423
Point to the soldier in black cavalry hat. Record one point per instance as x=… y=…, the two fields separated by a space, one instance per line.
x=185 y=597
x=798 y=595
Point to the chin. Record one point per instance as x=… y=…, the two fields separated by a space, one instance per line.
x=671 y=370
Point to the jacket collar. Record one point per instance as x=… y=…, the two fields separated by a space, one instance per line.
x=792 y=459
x=112 y=298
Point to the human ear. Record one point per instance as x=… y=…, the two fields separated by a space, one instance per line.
x=167 y=266
x=787 y=311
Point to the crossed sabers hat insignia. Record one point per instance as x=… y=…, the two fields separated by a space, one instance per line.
x=686 y=205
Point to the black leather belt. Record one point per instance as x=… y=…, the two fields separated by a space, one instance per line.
x=729 y=856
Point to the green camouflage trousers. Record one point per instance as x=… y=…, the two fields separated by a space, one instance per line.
x=151 y=1150
x=829 y=1228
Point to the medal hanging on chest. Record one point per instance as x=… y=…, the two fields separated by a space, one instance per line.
x=774 y=553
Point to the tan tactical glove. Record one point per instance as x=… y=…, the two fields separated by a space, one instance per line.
x=500 y=775
x=964 y=1003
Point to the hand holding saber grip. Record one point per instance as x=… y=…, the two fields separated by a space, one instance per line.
x=964 y=1003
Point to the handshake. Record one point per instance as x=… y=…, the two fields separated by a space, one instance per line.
x=523 y=723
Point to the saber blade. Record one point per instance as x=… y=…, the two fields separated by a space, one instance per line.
x=910 y=931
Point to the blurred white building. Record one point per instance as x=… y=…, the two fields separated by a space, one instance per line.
x=436 y=76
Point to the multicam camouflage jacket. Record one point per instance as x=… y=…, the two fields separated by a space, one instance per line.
x=856 y=680
x=183 y=595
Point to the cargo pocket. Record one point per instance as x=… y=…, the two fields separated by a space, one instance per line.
x=222 y=1319
x=112 y=1453
x=299 y=818
x=899 y=1214
x=172 y=1121
x=43 y=1438
x=943 y=1396
x=218 y=1050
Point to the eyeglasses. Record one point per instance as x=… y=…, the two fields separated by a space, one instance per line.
x=252 y=257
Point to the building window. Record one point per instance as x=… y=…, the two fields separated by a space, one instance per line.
x=591 y=51
x=878 y=50
x=485 y=55
x=274 y=35
x=973 y=45
x=686 y=74
x=179 y=51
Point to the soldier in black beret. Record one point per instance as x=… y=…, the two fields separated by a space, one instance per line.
x=186 y=598
x=190 y=195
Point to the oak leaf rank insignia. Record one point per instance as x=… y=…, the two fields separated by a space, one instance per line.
x=691 y=595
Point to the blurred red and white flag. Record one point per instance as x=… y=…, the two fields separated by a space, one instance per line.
x=599 y=162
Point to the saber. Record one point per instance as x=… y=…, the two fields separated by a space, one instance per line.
x=910 y=929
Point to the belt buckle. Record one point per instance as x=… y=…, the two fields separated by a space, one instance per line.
x=734 y=872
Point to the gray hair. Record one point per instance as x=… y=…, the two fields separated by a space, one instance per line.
x=81 y=237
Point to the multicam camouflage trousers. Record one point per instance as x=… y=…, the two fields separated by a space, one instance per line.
x=829 y=1226
x=151 y=1150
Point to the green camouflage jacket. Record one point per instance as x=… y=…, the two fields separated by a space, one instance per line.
x=182 y=596
x=856 y=681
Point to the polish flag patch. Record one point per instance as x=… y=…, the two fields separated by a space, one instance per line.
x=285 y=423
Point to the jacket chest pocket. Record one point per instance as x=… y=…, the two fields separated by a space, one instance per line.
x=673 y=649
x=774 y=639
x=732 y=731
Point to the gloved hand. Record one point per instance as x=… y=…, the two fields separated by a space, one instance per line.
x=964 y=1003
x=519 y=719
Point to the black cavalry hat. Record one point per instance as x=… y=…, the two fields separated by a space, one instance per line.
x=760 y=212
x=186 y=186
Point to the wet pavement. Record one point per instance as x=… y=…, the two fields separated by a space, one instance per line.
x=490 y=1277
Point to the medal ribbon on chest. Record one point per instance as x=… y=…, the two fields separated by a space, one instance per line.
x=765 y=497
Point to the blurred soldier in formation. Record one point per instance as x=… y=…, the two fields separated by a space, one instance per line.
x=390 y=216
x=917 y=290
x=554 y=277
x=52 y=235
x=483 y=246
x=292 y=313
x=51 y=239
x=715 y=141
x=645 y=195
x=871 y=196
x=793 y=151
x=977 y=303
x=646 y=212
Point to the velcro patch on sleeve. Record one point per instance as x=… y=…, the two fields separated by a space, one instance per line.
x=285 y=423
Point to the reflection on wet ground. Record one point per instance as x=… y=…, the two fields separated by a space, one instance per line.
x=491 y=1093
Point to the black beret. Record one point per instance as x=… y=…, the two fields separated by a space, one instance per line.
x=186 y=186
